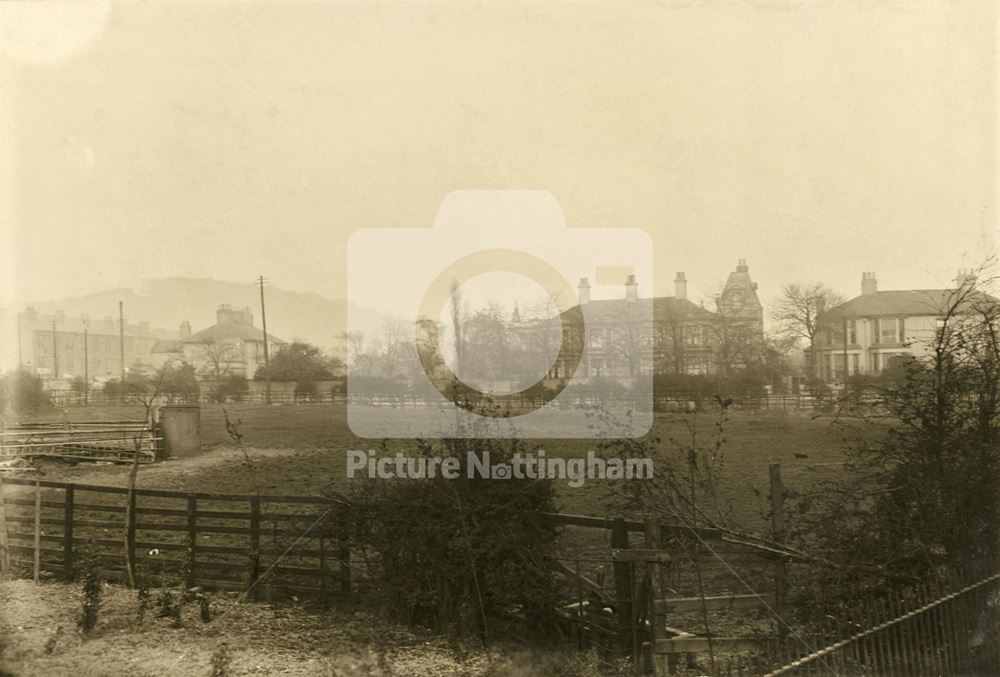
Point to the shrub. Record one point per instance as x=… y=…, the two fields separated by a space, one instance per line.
x=87 y=569
x=457 y=554
x=231 y=388
x=221 y=661
x=22 y=392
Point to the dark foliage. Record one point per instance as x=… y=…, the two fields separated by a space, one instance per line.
x=231 y=388
x=300 y=362
x=460 y=554
x=926 y=497
x=87 y=569
x=22 y=392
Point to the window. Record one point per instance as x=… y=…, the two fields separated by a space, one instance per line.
x=855 y=363
x=888 y=330
x=596 y=366
x=692 y=336
x=902 y=330
x=852 y=331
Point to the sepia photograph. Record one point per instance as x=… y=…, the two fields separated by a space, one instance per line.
x=528 y=338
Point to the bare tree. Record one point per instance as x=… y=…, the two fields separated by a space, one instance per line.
x=217 y=358
x=797 y=313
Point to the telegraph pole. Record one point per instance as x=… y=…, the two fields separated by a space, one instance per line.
x=86 y=366
x=20 y=357
x=121 y=341
x=267 y=358
x=55 y=352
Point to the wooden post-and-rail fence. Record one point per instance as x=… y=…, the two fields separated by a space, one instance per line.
x=946 y=626
x=283 y=544
x=219 y=541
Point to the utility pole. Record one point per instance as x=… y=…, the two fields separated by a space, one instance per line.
x=267 y=358
x=86 y=366
x=55 y=352
x=121 y=346
x=20 y=358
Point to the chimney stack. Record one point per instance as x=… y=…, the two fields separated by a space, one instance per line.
x=583 y=291
x=185 y=331
x=681 y=286
x=869 y=285
x=742 y=267
x=631 y=288
x=964 y=279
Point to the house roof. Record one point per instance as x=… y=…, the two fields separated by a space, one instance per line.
x=168 y=346
x=663 y=307
x=231 y=330
x=907 y=302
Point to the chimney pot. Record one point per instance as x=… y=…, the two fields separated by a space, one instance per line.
x=869 y=285
x=631 y=288
x=680 y=286
x=583 y=291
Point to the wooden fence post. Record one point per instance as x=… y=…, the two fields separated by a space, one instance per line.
x=254 y=567
x=130 y=519
x=4 y=549
x=778 y=534
x=192 y=540
x=344 y=557
x=37 y=559
x=623 y=587
x=68 y=532
x=651 y=528
x=579 y=608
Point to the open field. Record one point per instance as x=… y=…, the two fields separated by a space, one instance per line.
x=300 y=450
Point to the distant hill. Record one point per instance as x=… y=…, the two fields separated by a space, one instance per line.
x=166 y=302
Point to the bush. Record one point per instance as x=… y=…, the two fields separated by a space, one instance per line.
x=87 y=569
x=457 y=554
x=22 y=392
x=925 y=497
x=232 y=388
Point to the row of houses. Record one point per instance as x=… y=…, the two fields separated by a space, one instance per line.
x=58 y=347
x=863 y=335
x=860 y=336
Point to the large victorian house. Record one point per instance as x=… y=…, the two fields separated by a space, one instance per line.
x=685 y=337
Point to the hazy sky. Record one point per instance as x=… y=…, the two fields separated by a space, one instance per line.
x=816 y=140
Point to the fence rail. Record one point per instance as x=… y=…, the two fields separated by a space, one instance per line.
x=284 y=544
x=941 y=633
x=95 y=441
x=662 y=402
x=214 y=540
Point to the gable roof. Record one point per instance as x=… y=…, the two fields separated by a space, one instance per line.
x=663 y=308
x=907 y=302
x=231 y=330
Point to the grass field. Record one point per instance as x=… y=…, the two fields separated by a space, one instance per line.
x=300 y=449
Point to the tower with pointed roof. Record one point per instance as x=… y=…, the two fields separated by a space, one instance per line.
x=738 y=300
